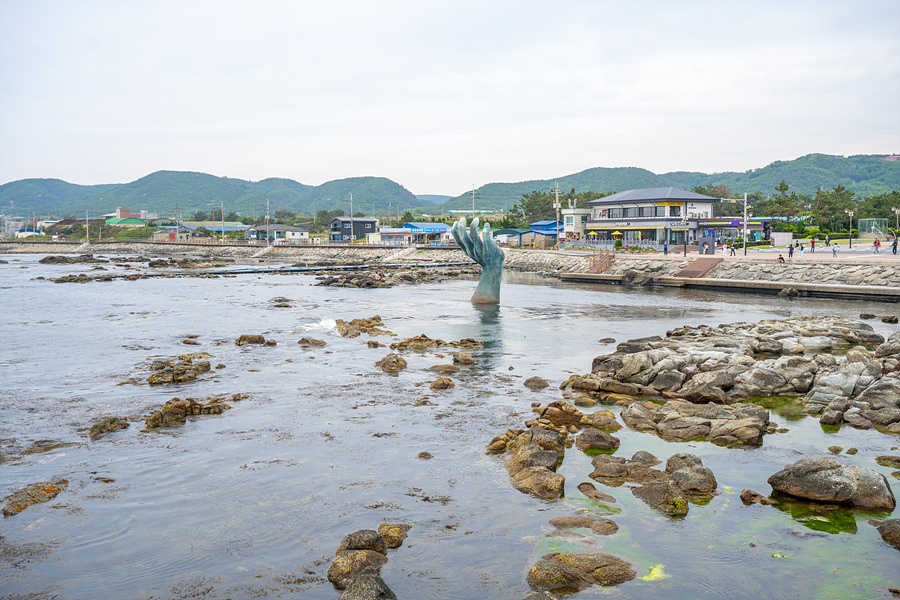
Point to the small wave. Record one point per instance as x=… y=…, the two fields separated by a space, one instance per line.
x=328 y=325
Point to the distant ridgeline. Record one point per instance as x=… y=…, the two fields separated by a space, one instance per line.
x=865 y=175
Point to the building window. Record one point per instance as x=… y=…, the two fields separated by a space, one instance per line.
x=631 y=212
x=615 y=213
x=584 y=218
x=569 y=220
x=660 y=211
x=647 y=211
x=674 y=211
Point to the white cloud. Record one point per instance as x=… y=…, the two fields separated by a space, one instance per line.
x=439 y=95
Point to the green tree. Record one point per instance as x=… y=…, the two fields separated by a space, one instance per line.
x=282 y=215
x=199 y=216
x=406 y=218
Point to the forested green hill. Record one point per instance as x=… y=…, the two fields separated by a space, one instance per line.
x=865 y=175
x=160 y=192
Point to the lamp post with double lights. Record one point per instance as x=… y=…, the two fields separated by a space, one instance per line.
x=896 y=212
x=850 y=212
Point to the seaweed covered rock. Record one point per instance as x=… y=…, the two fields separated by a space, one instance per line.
x=176 y=411
x=35 y=493
x=391 y=363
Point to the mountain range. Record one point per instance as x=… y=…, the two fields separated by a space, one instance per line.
x=160 y=192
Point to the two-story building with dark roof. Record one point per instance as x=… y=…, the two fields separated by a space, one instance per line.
x=655 y=214
x=339 y=230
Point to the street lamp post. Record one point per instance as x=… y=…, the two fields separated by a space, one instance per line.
x=745 y=224
x=896 y=212
x=850 y=212
x=684 y=226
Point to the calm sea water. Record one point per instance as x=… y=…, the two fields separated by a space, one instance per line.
x=252 y=503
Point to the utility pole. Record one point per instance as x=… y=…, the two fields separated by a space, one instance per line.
x=351 y=217
x=268 y=231
x=745 y=223
x=473 y=200
x=177 y=226
x=87 y=227
x=556 y=206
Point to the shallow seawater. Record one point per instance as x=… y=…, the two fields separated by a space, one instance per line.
x=252 y=503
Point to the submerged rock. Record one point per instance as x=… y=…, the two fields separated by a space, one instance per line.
x=306 y=341
x=889 y=529
x=35 y=493
x=535 y=383
x=176 y=411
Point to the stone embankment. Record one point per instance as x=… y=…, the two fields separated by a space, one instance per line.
x=638 y=269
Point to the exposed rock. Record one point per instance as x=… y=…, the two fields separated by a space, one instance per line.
x=825 y=480
x=391 y=363
x=664 y=496
x=535 y=383
x=393 y=533
x=561 y=414
x=890 y=461
x=889 y=529
x=462 y=358
x=250 y=339
x=442 y=383
x=593 y=493
x=372 y=326
x=364 y=539
x=596 y=440
x=534 y=456
x=350 y=563
x=305 y=341
x=33 y=494
x=575 y=572
x=107 y=424
x=176 y=411
x=597 y=525
x=602 y=419
x=367 y=585
x=677 y=420
x=892 y=319
x=688 y=473
x=419 y=342
x=749 y=497
x=444 y=369
x=169 y=371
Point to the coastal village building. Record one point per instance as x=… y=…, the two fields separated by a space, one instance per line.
x=171 y=233
x=339 y=228
x=655 y=214
x=575 y=220
x=278 y=234
x=427 y=233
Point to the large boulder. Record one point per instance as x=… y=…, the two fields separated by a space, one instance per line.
x=664 y=496
x=349 y=563
x=368 y=585
x=826 y=480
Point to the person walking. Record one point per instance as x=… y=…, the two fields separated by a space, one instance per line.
x=800 y=248
x=812 y=245
x=790 y=251
x=666 y=248
x=875 y=247
x=834 y=250
x=894 y=246
x=827 y=240
x=732 y=248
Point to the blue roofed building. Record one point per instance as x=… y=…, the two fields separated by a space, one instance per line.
x=427 y=233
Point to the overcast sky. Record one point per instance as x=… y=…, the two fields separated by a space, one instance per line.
x=439 y=96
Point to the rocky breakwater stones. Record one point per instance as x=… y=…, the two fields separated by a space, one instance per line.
x=358 y=561
x=535 y=455
x=685 y=479
x=566 y=573
x=33 y=494
x=187 y=368
x=176 y=411
x=680 y=421
x=826 y=480
x=392 y=363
